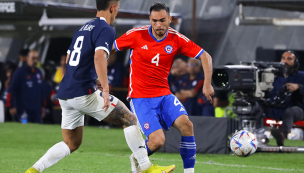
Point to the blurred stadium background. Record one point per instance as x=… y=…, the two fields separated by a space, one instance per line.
x=215 y=27
x=48 y=26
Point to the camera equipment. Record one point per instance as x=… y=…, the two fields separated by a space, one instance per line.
x=249 y=81
x=251 y=78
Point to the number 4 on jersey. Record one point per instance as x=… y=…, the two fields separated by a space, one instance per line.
x=155 y=60
x=177 y=102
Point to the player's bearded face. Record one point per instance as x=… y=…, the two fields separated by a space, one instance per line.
x=160 y=21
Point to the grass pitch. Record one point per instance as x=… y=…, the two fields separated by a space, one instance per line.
x=105 y=151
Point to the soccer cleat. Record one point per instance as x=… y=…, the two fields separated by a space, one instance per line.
x=166 y=169
x=134 y=164
x=32 y=170
x=159 y=169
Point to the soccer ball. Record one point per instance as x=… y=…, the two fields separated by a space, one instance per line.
x=243 y=143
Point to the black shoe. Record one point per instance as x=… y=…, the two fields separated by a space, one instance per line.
x=279 y=136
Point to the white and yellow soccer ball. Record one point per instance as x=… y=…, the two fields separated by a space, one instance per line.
x=243 y=143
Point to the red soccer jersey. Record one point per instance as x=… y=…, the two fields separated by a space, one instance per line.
x=151 y=59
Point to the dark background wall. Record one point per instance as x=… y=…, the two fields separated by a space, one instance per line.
x=215 y=26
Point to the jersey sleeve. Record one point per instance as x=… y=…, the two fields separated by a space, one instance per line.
x=104 y=40
x=189 y=48
x=69 y=50
x=72 y=44
x=124 y=42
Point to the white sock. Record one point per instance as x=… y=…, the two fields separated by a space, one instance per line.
x=189 y=170
x=137 y=145
x=52 y=156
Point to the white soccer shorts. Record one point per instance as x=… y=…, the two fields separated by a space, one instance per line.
x=73 y=110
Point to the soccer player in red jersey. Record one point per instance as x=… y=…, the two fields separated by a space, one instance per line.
x=153 y=49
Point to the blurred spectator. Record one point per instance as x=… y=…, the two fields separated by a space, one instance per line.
x=179 y=68
x=221 y=101
x=23 y=55
x=60 y=70
x=48 y=96
x=204 y=108
x=25 y=96
x=50 y=69
x=115 y=72
x=2 y=77
x=9 y=69
x=191 y=86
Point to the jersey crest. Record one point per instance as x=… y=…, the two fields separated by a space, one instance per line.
x=169 y=49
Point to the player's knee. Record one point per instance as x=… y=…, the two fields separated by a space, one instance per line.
x=187 y=128
x=157 y=143
x=289 y=112
x=160 y=143
x=189 y=125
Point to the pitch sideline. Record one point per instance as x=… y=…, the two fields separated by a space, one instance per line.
x=219 y=164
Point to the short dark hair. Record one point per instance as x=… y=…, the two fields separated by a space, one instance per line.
x=158 y=6
x=24 y=52
x=103 y=4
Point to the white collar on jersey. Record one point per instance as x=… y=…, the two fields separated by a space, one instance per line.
x=102 y=18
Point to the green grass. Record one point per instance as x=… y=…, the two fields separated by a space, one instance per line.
x=105 y=151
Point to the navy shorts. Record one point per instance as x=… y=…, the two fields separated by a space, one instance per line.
x=157 y=112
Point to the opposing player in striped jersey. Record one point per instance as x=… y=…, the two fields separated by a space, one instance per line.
x=153 y=49
x=87 y=59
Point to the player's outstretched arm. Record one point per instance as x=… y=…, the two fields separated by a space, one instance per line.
x=67 y=59
x=113 y=50
x=100 y=61
x=208 y=69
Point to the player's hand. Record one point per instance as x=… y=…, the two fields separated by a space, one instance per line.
x=98 y=84
x=208 y=91
x=13 y=111
x=106 y=97
x=291 y=87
